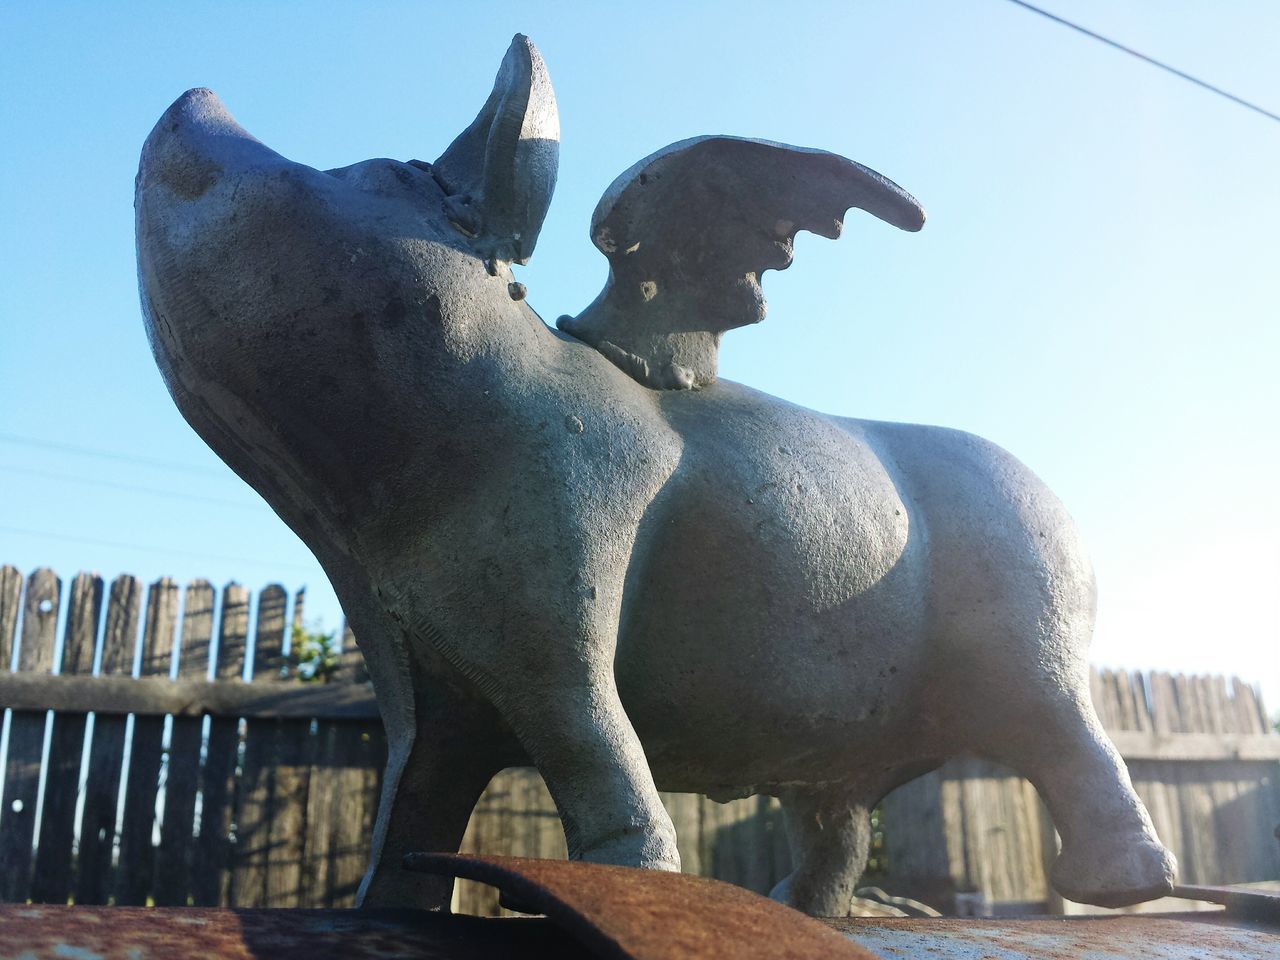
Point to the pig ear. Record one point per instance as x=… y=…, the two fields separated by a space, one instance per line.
x=500 y=173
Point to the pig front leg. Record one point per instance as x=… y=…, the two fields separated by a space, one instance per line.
x=542 y=655
x=573 y=725
x=429 y=789
x=444 y=744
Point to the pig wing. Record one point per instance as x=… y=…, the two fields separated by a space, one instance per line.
x=689 y=230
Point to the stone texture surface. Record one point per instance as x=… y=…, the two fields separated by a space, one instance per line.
x=547 y=561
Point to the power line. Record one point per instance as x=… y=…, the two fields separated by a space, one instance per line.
x=130 y=488
x=150 y=548
x=108 y=455
x=1151 y=60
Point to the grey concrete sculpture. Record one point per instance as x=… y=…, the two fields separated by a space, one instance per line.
x=583 y=551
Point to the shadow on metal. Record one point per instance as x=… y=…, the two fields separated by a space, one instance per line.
x=616 y=912
x=623 y=913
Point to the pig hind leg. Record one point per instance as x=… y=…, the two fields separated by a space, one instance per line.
x=1110 y=853
x=829 y=832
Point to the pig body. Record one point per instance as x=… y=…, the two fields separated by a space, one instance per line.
x=547 y=561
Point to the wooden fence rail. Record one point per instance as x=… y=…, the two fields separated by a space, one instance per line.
x=158 y=747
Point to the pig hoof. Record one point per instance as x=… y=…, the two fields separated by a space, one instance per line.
x=1116 y=874
x=645 y=849
x=816 y=896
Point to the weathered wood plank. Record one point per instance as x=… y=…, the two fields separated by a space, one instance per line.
x=257 y=795
x=182 y=767
x=233 y=632
x=1264 y=795
x=1196 y=747
x=464 y=896
x=549 y=830
x=686 y=817
x=106 y=755
x=1212 y=787
x=252 y=819
x=287 y=833
x=158 y=696
x=1250 y=708
x=322 y=818
x=1195 y=792
x=291 y=749
x=135 y=870
x=1098 y=694
x=1123 y=691
x=1220 y=700
x=268 y=638
x=26 y=738
x=1190 y=719
x=80 y=638
x=1138 y=685
x=1234 y=843
x=299 y=609
x=197 y=630
x=340 y=802
x=10 y=604
x=1166 y=775
x=212 y=851
x=339 y=701
x=353 y=669
x=915 y=839
x=52 y=880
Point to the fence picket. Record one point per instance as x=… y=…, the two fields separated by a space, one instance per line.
x=51 y=882
x=268 y=638
x=1165 y=721
x=182 y=775
x=291 y=758
x=26 y=738
x=106 y=757
x=10 y=604
x=339 y=816
x=1250 y=707
x=257 y=793
x=212 y=850
x=1098 y=694
x=134 y=871
x=291 y=827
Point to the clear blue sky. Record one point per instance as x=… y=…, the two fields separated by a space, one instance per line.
x=1097 y=287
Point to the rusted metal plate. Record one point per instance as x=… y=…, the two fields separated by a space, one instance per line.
x=1243 y=902
x=1194 y=936
x=182 y=933
x=628 y=914
x=704 y=925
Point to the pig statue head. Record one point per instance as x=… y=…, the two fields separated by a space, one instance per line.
x=579 y=548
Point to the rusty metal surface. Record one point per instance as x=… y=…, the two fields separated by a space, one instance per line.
x=1193 y=936
x=628 y=914
x=184 y=933
x=614 y=915
x=1249 y=904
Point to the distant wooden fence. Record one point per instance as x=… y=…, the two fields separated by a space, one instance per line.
x=193 y=791
x=1202 y=757
x=184 y=763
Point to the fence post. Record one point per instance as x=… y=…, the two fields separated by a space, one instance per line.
x=106 y=757
x=26 y=738
x=52 y=880
x=137 y=855
x=212 y=852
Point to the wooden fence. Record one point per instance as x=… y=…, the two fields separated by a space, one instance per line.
x=161 y=749
x=1202 y=757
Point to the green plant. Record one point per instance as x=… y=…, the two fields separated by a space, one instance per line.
x=315 y=655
